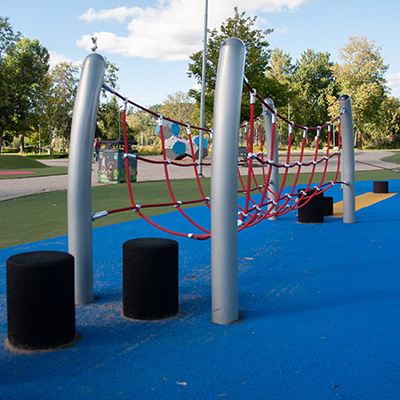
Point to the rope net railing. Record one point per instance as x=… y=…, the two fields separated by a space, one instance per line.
x=258 y=199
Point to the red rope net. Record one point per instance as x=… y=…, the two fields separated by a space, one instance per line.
x=260 y=202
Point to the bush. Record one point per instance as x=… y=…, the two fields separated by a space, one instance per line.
x=149 y=150
x=8 y=150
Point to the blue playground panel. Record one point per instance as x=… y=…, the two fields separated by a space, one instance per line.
x=320 y=306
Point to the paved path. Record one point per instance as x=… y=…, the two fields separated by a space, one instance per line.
x=12 y=188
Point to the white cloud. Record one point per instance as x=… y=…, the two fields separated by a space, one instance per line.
x=282 y=30
x=119 y=14
x=173 y=29
x=57 y=58
x=393 y=81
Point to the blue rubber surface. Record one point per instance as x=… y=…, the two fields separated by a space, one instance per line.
x=320 y=306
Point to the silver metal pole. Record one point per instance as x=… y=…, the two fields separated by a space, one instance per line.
x=348 y=169
x=224 y=246
x=272 y=152
x=80 y=174
x=203 y=89
x=119 y=124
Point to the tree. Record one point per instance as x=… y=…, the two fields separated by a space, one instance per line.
x=29 y=62
x=144 y=125
x=389 y=123
x=257 y=56
x=109 y=121
x=180 y=107
x=56 y=111
x=313 y=81
x=361 y=76
x=7 y=39
x=280 y=66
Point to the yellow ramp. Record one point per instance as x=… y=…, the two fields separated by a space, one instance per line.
x=364 y=200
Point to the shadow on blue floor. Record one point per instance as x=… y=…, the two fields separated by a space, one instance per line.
x=320 y=306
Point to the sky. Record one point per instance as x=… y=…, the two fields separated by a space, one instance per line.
x=150 y=41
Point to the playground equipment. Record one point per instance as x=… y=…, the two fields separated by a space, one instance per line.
x=175 y=146
x=193 y=147
x=226 y=218
x=80 y=174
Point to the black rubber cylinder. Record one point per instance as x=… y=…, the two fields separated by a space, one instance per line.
x=381 y=187
x=40 y=300
x=150 y=278
x=313 y=210
x=328 y=205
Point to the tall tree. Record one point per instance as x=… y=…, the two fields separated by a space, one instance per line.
x=312 y=80
x=280 y=66
x=257 y=56
x=180 y=107
x=7 y=39
x=29 y=61
x=56 y=113
x=361 y=75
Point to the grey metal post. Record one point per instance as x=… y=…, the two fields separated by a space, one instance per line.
x=203 y=89
x=348 y=173
x=272 y=153
x=224 y=246
x=80 y=174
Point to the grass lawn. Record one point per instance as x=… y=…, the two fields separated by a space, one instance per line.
x=44 y=215
x=16 y=163
x=394 y=158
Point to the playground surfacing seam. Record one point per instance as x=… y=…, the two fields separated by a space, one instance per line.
x=320 y=306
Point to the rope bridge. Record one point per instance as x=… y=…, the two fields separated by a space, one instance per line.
x=271 y=204
x=262 y=196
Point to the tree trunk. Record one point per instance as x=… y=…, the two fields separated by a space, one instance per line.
x=22 y=146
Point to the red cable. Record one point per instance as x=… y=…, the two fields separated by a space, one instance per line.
x=171 y=193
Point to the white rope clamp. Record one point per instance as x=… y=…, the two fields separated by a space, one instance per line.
x=108 y=88
x=243 y=214
x=253 y=96
x=305 y=132
x=99 y=214
x=178 y=204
